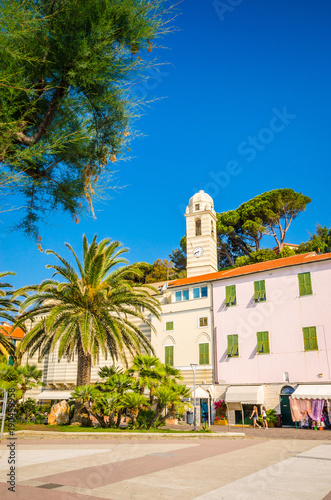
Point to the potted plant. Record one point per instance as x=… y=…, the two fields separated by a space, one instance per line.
x=271 y=418
x=220 y=413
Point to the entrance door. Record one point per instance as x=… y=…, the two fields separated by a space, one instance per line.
x=204 y=410
x=285 y=405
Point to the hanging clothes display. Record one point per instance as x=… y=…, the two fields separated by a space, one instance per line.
x=316 y=409
x=300 y=408
x=328 y=409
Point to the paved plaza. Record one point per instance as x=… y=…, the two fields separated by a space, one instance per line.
x=142 y=468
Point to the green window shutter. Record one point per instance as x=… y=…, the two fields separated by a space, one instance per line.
x=308 y=286
x=262 y=290
x=259 y=290
x=230 y=343
x=313 y=338
x=230 y=295
x=205 y=348
x=169 y=355
x=233 y=295
x=235 y=346
x=305 y=287
x=266 y=348
x=169 y=325
x=259 y=347
x=227 y=295
x=204 y=354
x=256 y=290
x=306 y=338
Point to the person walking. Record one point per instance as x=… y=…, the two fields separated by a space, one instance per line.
x=264 y=417
x=255 y=416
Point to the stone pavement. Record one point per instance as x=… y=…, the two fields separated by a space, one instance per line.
x=143 y=468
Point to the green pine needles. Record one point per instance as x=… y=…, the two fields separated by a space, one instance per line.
x=67 y=75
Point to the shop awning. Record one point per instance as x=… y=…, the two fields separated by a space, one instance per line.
x=53 y=395
x=312 y=392
x=246 y=394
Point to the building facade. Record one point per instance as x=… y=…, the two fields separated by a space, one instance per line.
x=251 y=335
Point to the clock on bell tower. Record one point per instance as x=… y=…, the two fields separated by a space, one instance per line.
x=201 y=235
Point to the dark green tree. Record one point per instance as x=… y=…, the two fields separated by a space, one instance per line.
x=67 y=75
x=318 y=242
x=240 y=231
x=179 y=256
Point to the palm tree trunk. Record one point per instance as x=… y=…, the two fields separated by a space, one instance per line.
x=83 y=368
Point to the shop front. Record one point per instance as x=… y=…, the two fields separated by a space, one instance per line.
x=311 y=406
x=240 y=401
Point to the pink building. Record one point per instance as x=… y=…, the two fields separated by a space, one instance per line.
x=272 y=325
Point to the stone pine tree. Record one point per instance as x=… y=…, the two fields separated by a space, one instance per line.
x=67 y=75
x=92 y=310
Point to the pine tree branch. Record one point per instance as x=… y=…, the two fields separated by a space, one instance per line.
x=47 y=118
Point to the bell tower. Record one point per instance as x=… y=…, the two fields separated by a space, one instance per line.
x=201 y=235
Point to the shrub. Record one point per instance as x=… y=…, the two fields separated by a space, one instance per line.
x=220 y=410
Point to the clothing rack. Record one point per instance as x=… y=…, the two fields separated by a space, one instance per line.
x=3 y=403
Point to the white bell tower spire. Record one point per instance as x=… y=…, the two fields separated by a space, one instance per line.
x=201 y=235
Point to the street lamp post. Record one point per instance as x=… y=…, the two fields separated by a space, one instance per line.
x=194 y=367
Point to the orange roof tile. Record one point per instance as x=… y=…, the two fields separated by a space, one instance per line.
x=294 y=260
x=6 y=330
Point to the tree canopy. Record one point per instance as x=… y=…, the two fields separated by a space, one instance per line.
x=240 y=231
x=91 y=311
x=67 y=73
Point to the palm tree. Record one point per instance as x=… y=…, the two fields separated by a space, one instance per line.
x=148 y=371
x=8 y=307
x=109 y=371
x=93 y=310
x=28 y=377
x=133 y=402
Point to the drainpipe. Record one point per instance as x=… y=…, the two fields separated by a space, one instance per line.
x=214 y=332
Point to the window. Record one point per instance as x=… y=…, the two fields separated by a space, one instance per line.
x=181 y=295
x=204 y=354
x=197 y=206
x=198 y=227
x=259 y=291
x=169 y=355
x=10 y=361
x=305 y=284
x=310 y=338
x=203 y=321
x=212 y=228
x=200 y=292
x=169 y=325
x=230 y=295
x=262 y=343
x=233 y=349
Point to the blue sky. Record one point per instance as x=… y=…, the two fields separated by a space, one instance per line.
x=245 y=91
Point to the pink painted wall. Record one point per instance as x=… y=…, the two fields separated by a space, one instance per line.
x=283 y=315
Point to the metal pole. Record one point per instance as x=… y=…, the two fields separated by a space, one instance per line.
x=195 y=410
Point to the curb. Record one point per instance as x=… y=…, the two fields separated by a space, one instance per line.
x=132 y=434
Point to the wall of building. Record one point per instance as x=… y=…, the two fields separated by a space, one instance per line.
x=283 y=315
x=186 y=335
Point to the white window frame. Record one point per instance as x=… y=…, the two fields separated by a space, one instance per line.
x=181 y=295
x=173 y=325
x=199 y=288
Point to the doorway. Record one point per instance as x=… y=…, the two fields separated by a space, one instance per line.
x=285 y=408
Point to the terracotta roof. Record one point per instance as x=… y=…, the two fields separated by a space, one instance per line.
x=294 y=260
x=6 y=330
